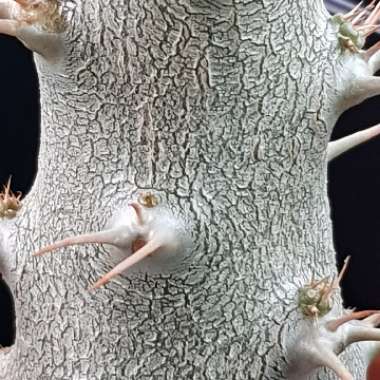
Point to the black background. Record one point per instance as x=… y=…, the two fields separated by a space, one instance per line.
x=19 y=131
x=354 y=179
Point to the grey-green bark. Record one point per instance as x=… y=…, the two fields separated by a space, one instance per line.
x=222 y=108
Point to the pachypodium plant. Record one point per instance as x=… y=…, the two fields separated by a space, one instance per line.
x=184 y=149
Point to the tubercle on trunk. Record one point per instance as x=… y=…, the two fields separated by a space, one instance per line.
x=148 y=234
x=357 y=25
x=323 y=331
x=356 y=81
x=38 y=24
x=10 y=203
x=315 y=298
x=44 y=13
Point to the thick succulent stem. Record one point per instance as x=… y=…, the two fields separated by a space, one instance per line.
x=224 y=109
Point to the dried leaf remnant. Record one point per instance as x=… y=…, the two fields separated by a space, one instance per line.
x=10 y=203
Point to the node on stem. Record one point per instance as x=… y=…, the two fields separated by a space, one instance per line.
x=147 y=233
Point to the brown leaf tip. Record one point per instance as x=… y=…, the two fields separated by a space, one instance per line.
x=315 y=298
x=148 y=200
x=10 y=203
x=44 y=13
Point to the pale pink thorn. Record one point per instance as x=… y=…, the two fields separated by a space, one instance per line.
x=363 y=333
x=370 y=6
x=373 y=320
x=371 y=31
x=344 y=269
x=317 y=283
x=372 y=132
x=7 y=187
x=352 y=12
x=138 y=211
x=364 y=11
x=336 y=280
x=359 y=17
x=338 y=147
x=326 y=293
x=330 y=359
x=139 y=255
x=374 y=14
x=9 y=27
x=102 y=237
x=336 y=323
x=6 y=9
x=372 y=50
x=365 y=28
x=24 y=2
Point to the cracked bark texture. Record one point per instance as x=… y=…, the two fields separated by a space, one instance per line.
x=224 y=109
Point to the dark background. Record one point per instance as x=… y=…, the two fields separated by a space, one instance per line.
x=354 y=178
x=19 y=131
